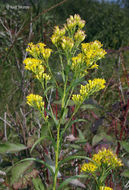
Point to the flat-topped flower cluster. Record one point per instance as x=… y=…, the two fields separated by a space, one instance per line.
x=104 y=158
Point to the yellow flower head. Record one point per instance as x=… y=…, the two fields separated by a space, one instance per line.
x=108 y=158
x=32 y=64
x=41 y=75
x=57 y=35
x=67 y=43
x=38 y=51
x=78 y=65
x=35 y=101
x=93 y=51
x=105 y=188
x=35 y=65
x=79 y=36
x=74 y=21
x=77 y=98
x=33 y=50
x=90 y=88
x=89 y=167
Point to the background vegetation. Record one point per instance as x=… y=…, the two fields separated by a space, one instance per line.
x=24 y=21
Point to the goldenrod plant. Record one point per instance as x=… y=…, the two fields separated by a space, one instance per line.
x=75 y=60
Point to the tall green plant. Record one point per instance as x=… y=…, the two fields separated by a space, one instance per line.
x=75 y=59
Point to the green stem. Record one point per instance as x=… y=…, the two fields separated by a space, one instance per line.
x=64 y=95
x=57 y=156
x=67 y=125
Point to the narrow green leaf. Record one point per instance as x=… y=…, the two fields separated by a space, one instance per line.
x=71 y=158
x=11 y=148
x=37 y=142
x=88 y=106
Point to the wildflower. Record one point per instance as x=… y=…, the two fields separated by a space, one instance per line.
x=35 y=65
x=92 y=52
x=32 y=64
x=108 y=158
x=33 y=50
x=79 y=36
x=90 y=88
x=89 y=167
x=38 y=51
x=74 y=21
x=46 y=53
x=35 y=101
x=57 y=35
x=67 y=43
x=77 y=98
x=41 y=75
x=105 y=188
x=78 y=66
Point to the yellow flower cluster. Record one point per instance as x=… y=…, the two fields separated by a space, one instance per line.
x=35 y=101
x=105 y=188
x=35 y=65
x=32 y=64
x=73 y=29
x=108 y=158
x=104 y=157
x=90 y=88
x=91 y=53
x=89 y=167
x=73 y=22
x=67 y=43
x=57 y=35
x=79 y=36
x=39 y=51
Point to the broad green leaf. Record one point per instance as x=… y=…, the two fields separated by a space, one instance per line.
x=99 y=137
x=67 y=181
x=18 y=170
x=11 y=148
x=125 y=145
x=38 y=185
x=81 y=135
x=125 y=173
x=41 y=162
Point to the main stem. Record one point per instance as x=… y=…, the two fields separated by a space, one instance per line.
x=57 y=156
